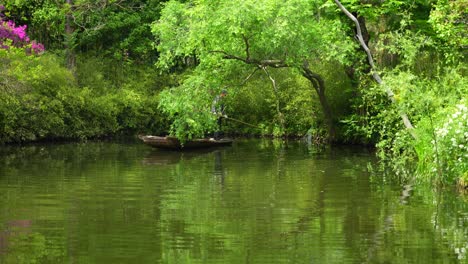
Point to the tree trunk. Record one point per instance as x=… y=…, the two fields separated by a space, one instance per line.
x=69 y=42
x=350 y=70
x=375 y=74
x=319 y=85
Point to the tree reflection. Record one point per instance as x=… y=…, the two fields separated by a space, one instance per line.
x=257 y=202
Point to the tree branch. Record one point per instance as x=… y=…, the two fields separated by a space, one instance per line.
x=249 y=76
x=370 y=60
x=260 y=63
x=229 y=56
x=316 y=80
x=247 y=46
x=275 y=90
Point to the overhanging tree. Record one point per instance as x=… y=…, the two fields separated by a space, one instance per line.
x=261 y=34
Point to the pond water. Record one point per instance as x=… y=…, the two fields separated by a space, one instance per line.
x=259 y=201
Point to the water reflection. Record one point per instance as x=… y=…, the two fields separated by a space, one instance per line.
x=257 y=202
x=169 y=157
x=13 y=230
x=218 y=172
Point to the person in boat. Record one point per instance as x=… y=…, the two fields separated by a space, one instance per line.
x=218 y=108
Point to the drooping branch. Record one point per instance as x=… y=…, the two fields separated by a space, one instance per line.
x=275 y=90
x=319 y=85
x=248 y=77
x=370 y=60
x=245 y=80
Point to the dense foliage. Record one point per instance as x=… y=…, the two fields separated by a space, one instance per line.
x=291 y=68
x=12 y=35
x=41 y=99
x=428 y=75
x=233 y=38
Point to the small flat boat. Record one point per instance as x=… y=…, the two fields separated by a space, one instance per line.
x=173 y=143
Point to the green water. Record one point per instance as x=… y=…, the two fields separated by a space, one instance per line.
x=258 y=201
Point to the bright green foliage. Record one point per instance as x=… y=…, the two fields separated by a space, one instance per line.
x=438 y=111
x=288 y=30
x=189 y=106
x=450 y=144
x=113 y=88
x=41 y=100
x=450 y=21
x=425 y=71
x=207 y=46
x=223 y=35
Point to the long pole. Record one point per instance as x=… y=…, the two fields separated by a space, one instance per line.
x=240 y=121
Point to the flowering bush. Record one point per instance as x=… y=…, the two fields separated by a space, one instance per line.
x=450 y=146
x=12 y=35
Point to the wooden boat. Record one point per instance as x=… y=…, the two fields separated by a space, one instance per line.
x=173 y=143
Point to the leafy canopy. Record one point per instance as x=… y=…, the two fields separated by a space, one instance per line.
x=261 y=33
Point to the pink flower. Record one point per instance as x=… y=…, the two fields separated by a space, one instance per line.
x=37 y=48
x=17 y=37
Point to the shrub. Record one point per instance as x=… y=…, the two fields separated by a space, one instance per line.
x=438 y=110
x=450 y=145
x=40 y=99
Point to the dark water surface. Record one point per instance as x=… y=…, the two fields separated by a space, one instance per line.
x=256 y=202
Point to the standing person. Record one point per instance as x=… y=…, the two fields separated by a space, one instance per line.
x=217 y=108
